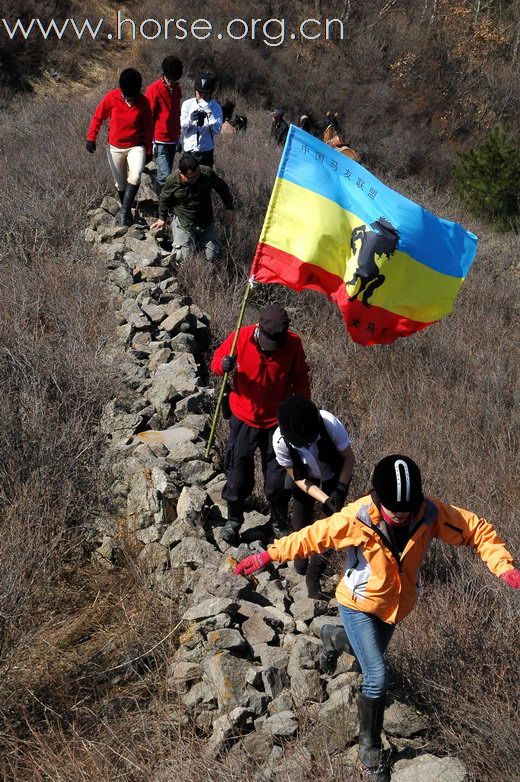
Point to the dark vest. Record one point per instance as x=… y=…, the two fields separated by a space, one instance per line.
x=327 y=453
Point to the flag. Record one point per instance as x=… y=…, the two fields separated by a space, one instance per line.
x=391 y=266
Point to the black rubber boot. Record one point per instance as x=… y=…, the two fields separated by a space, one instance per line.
x=124 y=215
x=230 y=532
x=121 y=194
x=335 y=641
x=371 y=713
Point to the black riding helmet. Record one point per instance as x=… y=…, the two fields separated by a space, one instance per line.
x=130 y=82
x=397 y=482
x=299 y=421
x=206 y=82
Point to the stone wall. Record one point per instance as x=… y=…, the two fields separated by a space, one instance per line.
x=247 y=667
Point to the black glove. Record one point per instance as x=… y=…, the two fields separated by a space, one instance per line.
x=91 y=146
x=336 y=499
x=148 y=158
x=201 y=118
x=229 y=363
x=194 y=115
x=327 y=508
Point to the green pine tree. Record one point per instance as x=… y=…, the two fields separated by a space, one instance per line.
x=487 y=178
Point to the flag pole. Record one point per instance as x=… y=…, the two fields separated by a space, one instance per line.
x=249 y=287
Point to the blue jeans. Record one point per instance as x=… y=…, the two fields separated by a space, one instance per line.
x=368 y=637
x=164 y=157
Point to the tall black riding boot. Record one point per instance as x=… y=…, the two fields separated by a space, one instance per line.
x=124 y=216
x=371 y=712
x=121 y=194
x=230 y=531
x=315 y=568
x=335 y=641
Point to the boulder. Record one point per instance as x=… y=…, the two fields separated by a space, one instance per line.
x=428 y=768
x=403 y=720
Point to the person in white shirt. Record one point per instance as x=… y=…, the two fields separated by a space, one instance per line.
x=201 y=121
x=314 y=448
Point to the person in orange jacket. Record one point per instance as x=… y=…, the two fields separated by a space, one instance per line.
x=386 y=534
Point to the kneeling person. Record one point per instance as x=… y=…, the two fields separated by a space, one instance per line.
x=188 y=194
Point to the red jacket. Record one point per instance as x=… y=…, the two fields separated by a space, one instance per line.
x=262 y=380
x=129 y=126
x=166 y=110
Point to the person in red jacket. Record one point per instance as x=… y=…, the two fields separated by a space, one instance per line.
x=269 y=365
x=164 y=97
x=129 y=137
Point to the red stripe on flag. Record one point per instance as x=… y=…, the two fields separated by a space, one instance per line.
x=366 y=325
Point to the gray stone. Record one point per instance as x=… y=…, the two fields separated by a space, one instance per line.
x=198 y=423
x=131 y=313
x=271 y=656
x=275 y=680
x=282 y=702
x=185 y=452
x=304 y=654
x=110 y=205
x=174 y=319
x=282 y=724
x=228 y=675
x=226 y=727
x=192 y=551
x=150 y=273
x=428 y=768
x=304 y=608
x=121 y=277
x=210 y=607
x=161 y=356
x=154 y=311
x=184 y=343
x=227 y=638
x=338 y=722
x=338 y=681
x=196 y=471
x=257 y=631
x=199 y=694
x=150 y=534
x=141 y=342
x=105 y=554
x=173 y=379
x=193 y=403
x=402 y=720
x=184 y=672
x=177 y=531
x=306 y=688
x=191 y=503
x=273 y=616
x=153 y=555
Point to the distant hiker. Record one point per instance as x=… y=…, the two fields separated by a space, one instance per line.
x=306 y=122
x=187 y=193
x=201 y=120
x=314 y=448
x=386 y=535
x=164 y=96
x=279 y=127
x=130 y=133
x=269 y=365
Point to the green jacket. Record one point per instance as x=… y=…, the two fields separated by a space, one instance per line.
x=191 y=203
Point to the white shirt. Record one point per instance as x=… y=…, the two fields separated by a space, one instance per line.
x=195 y=138
x=318 y=470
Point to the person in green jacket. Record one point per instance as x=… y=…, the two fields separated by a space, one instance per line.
x=187 y=193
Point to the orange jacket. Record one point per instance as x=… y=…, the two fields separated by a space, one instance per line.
x=375 y=581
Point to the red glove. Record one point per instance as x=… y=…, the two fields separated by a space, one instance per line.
x=512 y=578
x=253 y=563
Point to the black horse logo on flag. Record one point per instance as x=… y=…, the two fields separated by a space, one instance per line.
x=370 y=246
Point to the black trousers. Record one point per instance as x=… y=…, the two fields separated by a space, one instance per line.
x=303 y=516
x=243 y=440
x=204 y=158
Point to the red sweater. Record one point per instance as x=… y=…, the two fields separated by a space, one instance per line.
x=129 y=126
x=263 y=380
x=166 y=110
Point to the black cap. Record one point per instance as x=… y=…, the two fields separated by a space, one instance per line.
x=299 y=420
x=130 y=82
x=272 y=327
x=397 y=482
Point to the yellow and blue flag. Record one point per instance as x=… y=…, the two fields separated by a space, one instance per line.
x=391 y=266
